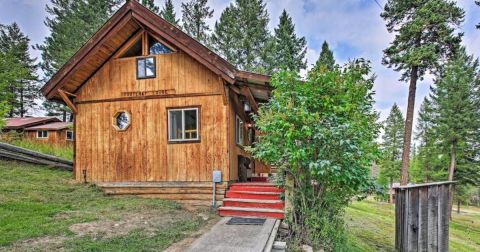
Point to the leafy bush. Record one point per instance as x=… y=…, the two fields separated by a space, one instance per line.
x=321 y=133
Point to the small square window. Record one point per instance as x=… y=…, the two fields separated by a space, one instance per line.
x=42 y=134
x=69 y=135
x=146 y=68
x=239 y=131
x=183 y=125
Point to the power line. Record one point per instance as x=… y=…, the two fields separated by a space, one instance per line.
x=379 y=5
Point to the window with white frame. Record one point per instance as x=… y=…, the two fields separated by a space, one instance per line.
x=42 y=133
x=183 y=124
x=239 y=128
x=69 y=135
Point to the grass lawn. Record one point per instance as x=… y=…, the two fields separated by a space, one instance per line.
x=43 y=209
x=372 y=227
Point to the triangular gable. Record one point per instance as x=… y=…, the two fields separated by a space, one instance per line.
x=113 y=35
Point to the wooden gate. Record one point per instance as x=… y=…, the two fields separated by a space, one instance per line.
x=421 y=217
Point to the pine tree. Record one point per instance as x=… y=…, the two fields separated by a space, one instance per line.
x=168 y=13
x=289 y=49
x=425 y=37
x=458 y=119
x=241 y=35
x=326 y=59
x=194 y=17
x=150 y=4
x=71 y=24
x=8 y=74
x=392 y=146
x=23 y=89
x=429 y=158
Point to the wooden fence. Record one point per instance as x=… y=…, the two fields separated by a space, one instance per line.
x=8 y=151
x=421 y=217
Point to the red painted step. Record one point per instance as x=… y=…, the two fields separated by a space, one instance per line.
x=252 y=212
x=254 y=188
x=253 y=195
x=253 y=203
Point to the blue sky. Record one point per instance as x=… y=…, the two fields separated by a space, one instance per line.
x=353 y=28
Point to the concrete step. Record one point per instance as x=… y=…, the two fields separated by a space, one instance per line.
x=253 y=203
x=252 y=212
x=253 y=195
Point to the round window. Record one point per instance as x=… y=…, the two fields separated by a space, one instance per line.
x=121 y=120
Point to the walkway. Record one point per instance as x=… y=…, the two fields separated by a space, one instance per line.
x=234 y=238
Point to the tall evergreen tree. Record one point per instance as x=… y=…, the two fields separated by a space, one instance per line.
x=429 y=158
x=71 y=24
x=458 y=117
x=8 y=74
x=425 y=37
x=23 y=89
x=241 y=35
x=392 y=146
x=150 y=4
x=194 y=18
x=326 y=59
x=289 y=50
x=168 y=13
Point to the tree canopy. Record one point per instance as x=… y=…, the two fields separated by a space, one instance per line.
x=425 y=37
x=241 y=34
x=168 y=13
x=195 y=14
x=289 y=50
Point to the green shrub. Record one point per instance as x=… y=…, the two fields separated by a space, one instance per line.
x=321 y=132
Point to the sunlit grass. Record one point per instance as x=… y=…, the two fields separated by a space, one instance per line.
x=65 y=152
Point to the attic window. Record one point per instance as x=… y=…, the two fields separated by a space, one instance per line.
x=155 y=47
x=134 y=50
x=146 y=68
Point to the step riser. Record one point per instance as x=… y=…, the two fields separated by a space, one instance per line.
x=250 y=214
x=253 y=205
x=233 y=194
x=255 y=188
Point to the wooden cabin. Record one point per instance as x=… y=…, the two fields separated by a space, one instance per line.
x=55 y=133
x=156 y=112
x=48 y=130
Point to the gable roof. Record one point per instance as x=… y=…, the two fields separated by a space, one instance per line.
x=51 y=126
x=129 y=19
x=24 y=122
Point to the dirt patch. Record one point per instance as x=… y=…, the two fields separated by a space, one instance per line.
x=140 y=220
x=46 y=243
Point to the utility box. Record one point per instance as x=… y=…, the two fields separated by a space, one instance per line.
x=217 y=176
x=421 y=216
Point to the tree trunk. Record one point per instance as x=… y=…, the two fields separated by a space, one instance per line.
x=407 y=137
x=458 y=206
x=451 y=171
x=21 y=103
x=391 y=191
x=64 y=116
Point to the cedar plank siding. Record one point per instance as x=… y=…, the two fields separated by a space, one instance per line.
x=141 y=153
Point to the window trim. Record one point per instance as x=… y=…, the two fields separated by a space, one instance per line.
x=114 y=120
x=183 y=140
x=154 y=66
x=66 y=135
x=241 y=139
x=42 y=137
